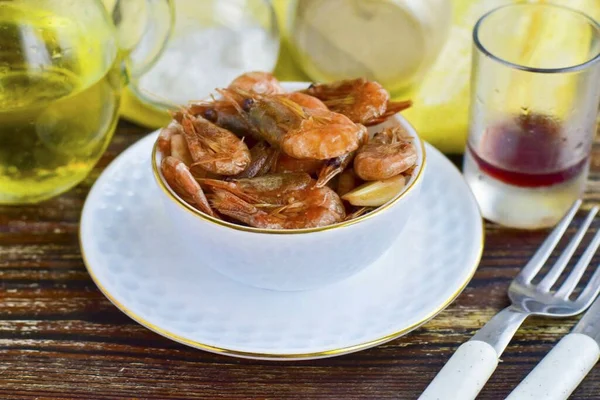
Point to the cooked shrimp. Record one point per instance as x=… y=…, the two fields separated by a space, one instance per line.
x=179 y=178
x=213 y=148
x=165 y=135
x=305 y=208
x=225 y=114
x=261 y=156
x=287 y=163
x=334 y=166
x=323 y=135
x=299 y=132
x=305 y=100
x=388 y=154
x=365 y=102
x=257 y=82
x=270 y=187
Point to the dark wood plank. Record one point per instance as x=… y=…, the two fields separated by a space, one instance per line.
x=61 y=339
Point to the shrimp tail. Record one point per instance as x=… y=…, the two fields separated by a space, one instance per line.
x=178 y=176
x=332 y=167
x=260 y=155
x=335 y=166
x=271 y=164
x=393 y=107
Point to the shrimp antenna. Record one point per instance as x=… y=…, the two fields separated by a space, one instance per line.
x=178 y=113
x=293 y=106
x=167 y=103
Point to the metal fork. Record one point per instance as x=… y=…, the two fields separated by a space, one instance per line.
x=467 y=371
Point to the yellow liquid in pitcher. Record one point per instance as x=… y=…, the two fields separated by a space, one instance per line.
x=56 y=118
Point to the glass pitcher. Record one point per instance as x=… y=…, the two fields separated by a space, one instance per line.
x=63 y=64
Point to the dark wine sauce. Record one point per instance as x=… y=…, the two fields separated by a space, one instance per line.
x=526 y=151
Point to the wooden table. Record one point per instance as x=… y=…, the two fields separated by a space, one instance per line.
x=60 y=338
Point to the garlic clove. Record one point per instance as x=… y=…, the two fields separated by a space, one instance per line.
x=376 y=193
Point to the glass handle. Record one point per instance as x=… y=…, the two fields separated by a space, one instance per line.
x=143 y=29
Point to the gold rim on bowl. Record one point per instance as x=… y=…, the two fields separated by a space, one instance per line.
x=181 y=203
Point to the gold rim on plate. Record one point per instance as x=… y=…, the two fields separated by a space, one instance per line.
x=287 y=356
x=277 y=356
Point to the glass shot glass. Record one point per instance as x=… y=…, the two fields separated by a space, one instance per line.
x=535 y=93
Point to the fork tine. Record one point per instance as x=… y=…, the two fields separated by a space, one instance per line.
x=572 y=280
x=592 y=289
x=541 y=255
x=560 y=264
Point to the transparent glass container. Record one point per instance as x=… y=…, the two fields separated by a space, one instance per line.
x=391 y=41
x=534 y=102
x=440 y=111
x=212 y=42
x=62 y=71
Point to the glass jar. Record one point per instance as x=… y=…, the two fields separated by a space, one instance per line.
x=391 y=41
x=533 y=118
x=212 y=42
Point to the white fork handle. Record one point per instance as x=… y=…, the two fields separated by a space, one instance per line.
x=464 y=374
x=561 y=371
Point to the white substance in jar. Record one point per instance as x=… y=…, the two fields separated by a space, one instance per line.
x=197 y=62
x=391 y=41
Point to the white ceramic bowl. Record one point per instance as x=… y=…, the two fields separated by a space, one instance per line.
x=293 y=259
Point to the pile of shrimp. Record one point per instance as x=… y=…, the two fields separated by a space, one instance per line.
x=266 y=158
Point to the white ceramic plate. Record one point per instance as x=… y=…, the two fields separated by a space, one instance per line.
x=133 y=256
